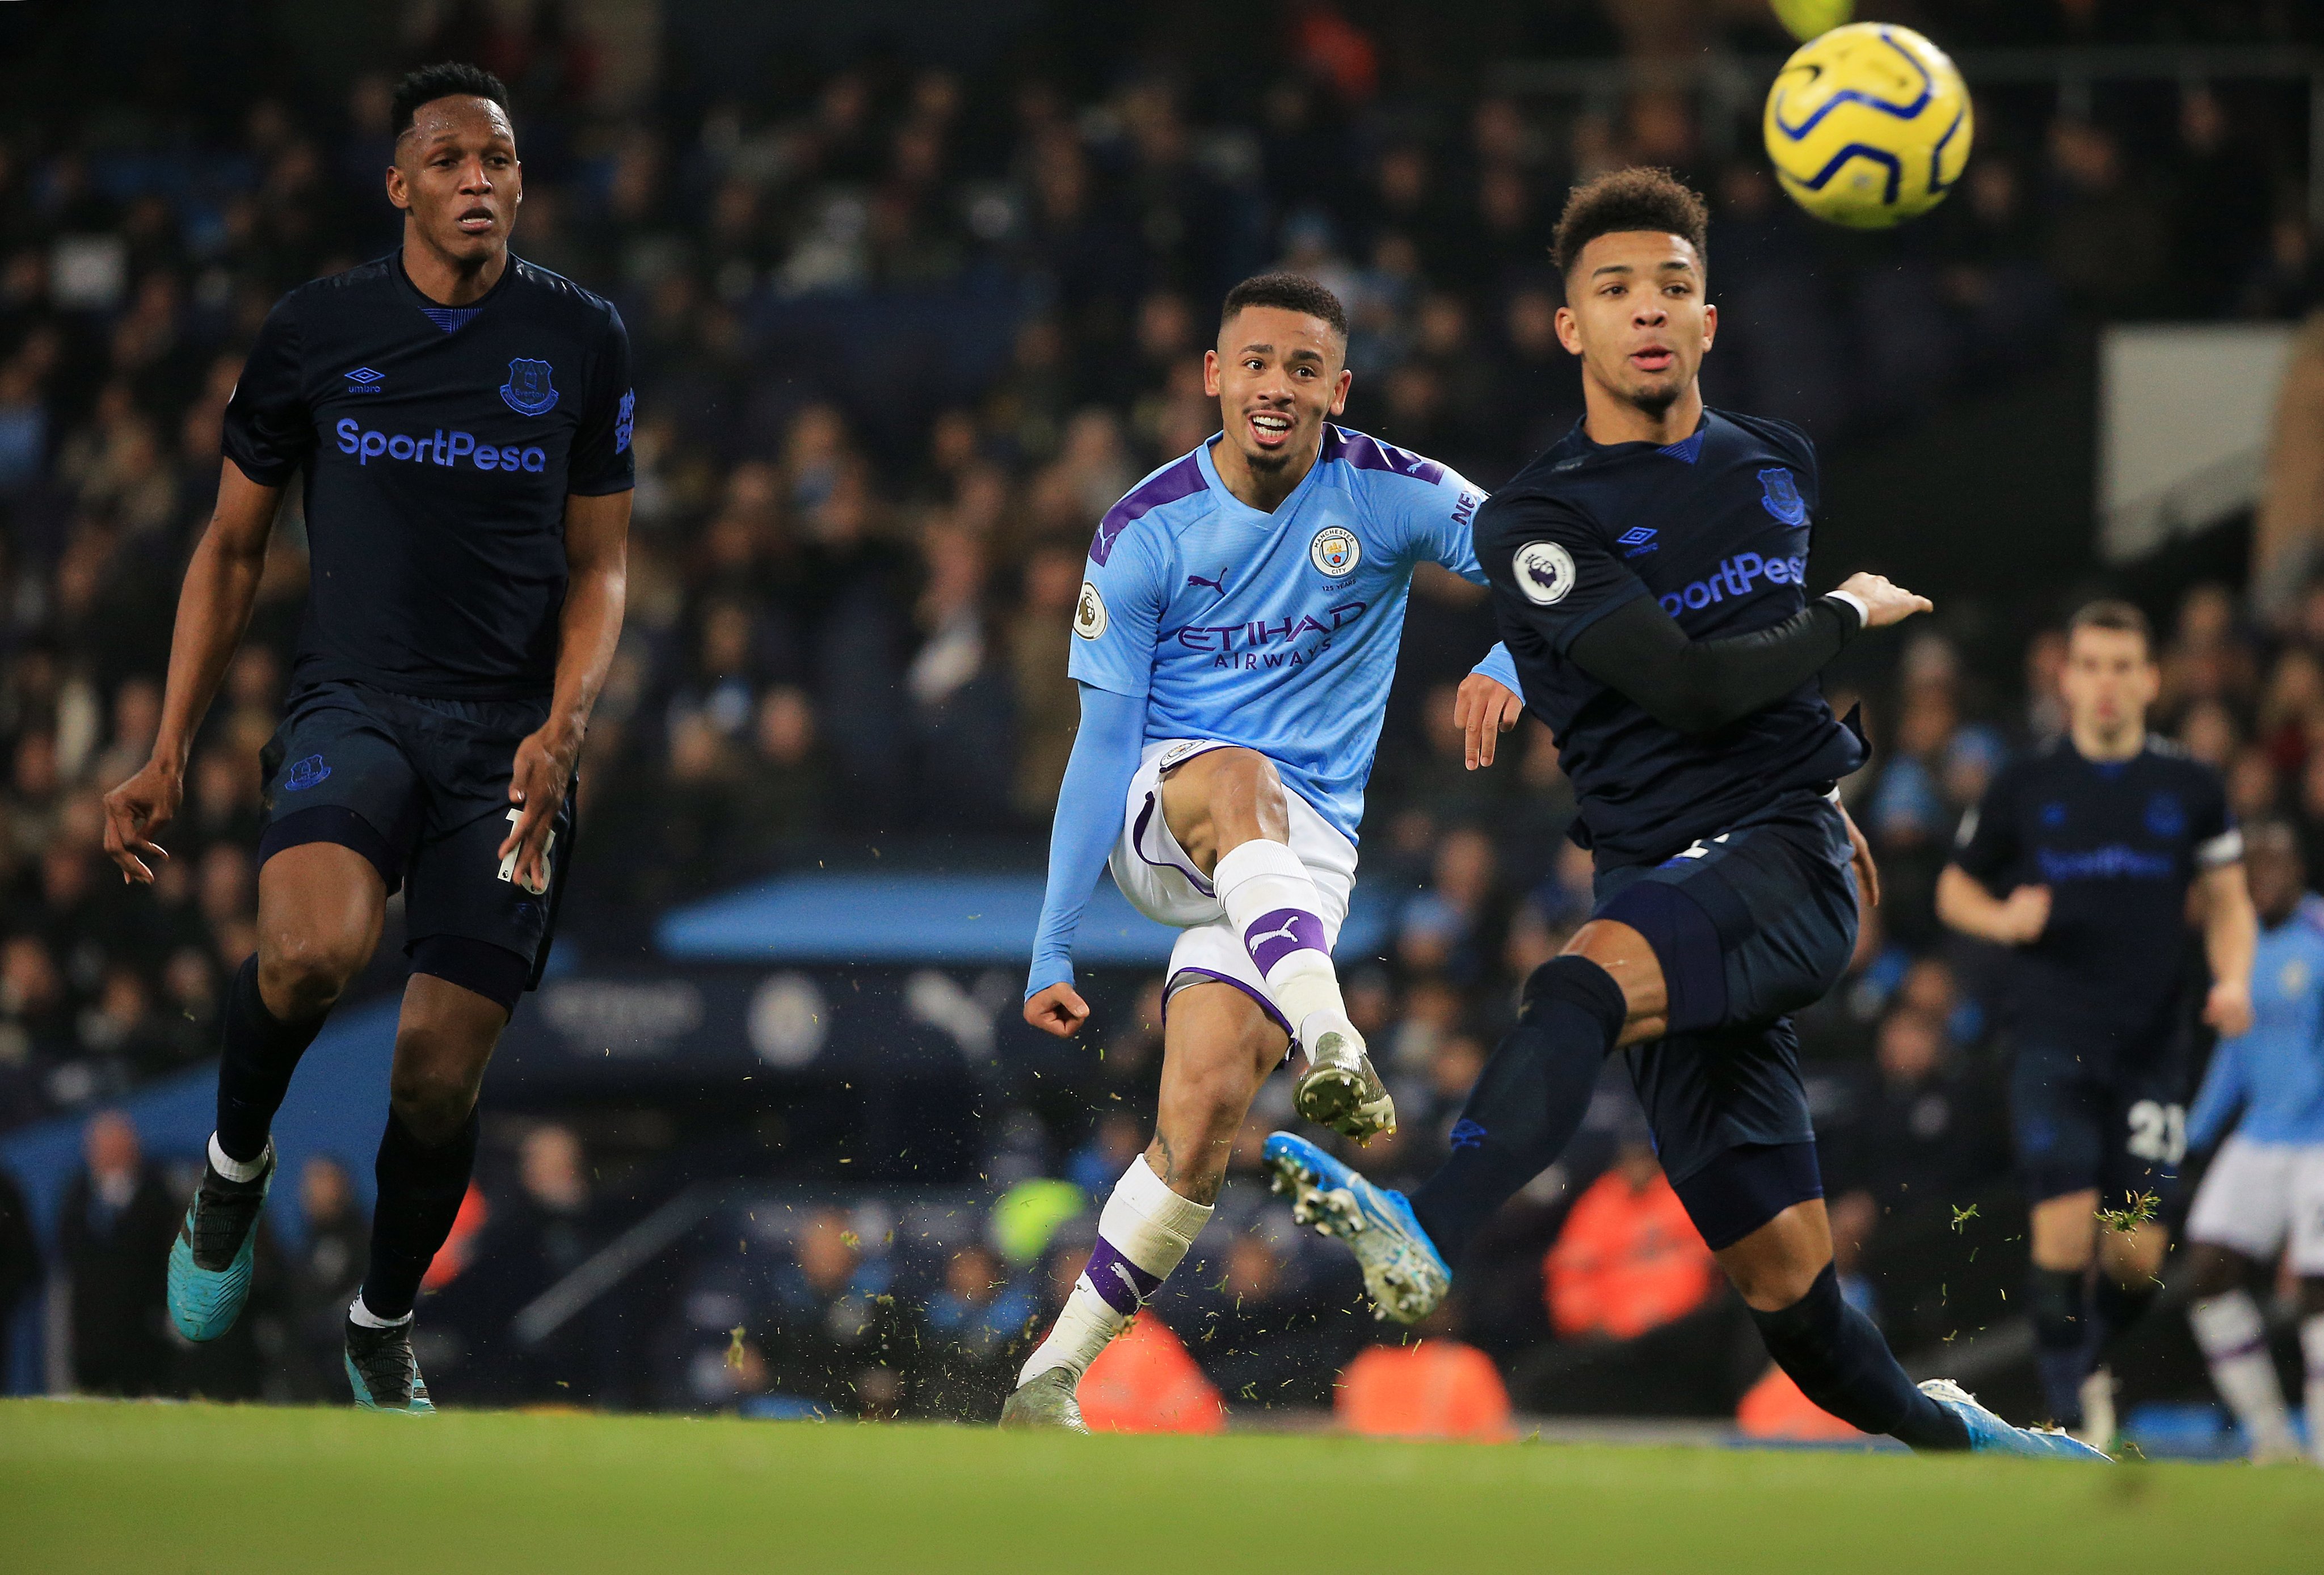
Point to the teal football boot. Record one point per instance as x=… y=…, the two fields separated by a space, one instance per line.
x=1989 y=1435
x=382 y=1371
x=209 y=1262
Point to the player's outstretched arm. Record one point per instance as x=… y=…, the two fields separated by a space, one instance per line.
x=213 y=610
x=596 y=590
x=1696 y=686
x=1088 y=821
x=1964 y=904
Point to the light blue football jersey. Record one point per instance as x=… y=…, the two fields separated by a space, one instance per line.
x=1276 y=631
x=2274 y=1073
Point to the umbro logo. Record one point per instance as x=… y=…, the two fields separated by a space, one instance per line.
x=363 y=380
x=1638 y=541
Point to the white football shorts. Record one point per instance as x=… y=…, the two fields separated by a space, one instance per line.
x=2256 y=1194
x=1162 y=882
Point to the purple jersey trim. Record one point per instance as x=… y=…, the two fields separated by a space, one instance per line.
x=1365 y=452
x=1181 y=480
x=1138 y=845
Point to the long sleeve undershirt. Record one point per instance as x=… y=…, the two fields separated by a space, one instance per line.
x=1696 y=686
x=1106 y=750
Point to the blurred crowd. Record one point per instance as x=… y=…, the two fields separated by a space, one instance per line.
x=902 y=332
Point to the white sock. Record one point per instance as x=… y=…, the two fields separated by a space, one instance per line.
x=1275 y=907
x=366 y=1318
x=233 y=1169
x=1142 y=1233
x=2234 y=1337
x=2311 y=1346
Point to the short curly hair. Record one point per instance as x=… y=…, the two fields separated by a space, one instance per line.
x=1292 y=292
x=1636 y=198
x=445 y=80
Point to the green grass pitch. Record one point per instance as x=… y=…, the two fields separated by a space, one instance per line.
x=95 y=1485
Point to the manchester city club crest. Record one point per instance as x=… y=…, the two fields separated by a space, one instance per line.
x=528 y=390
x=1545 y=572
x=1335 y=551
x=1781 y=493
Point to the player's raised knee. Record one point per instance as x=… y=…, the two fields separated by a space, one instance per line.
x=301 y=974
x=1247 y=802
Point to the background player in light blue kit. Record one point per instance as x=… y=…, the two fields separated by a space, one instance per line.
x=2267 y=1183
x=1235 y=641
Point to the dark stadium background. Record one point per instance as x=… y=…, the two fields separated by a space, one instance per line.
x=917 y=289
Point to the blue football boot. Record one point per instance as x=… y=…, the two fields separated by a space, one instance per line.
x=1403 y=1274
x=1989 y=1435
x=209 y=1263
x=382 y=1371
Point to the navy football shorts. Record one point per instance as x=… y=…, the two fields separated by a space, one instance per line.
x=2081 y=1120
x=1749 y=926
x=418 y=786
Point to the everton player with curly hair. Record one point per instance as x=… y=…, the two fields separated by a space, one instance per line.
x=1650 y=577
x=462 y=420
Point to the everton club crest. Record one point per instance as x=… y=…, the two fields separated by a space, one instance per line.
x=527 y=391
x=1781 y=494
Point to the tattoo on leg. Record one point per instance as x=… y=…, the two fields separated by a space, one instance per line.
x=1169 y=1160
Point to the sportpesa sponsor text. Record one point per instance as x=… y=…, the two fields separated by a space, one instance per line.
x=1734 y=577
x=443 y=449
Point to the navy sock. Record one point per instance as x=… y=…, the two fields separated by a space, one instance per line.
x=1527 y=1103
x=259 y=1052
x=2063 y=1346
x=420 y=1193
x=2114 y=1309
x=1840 y=1361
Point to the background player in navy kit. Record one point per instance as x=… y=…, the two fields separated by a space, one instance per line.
x=2080 y=859
x=1648 y=578
x=463 y=422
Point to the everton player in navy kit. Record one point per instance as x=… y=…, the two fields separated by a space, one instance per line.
x=2080 y=860
x=1649 y=578
x=462 y=420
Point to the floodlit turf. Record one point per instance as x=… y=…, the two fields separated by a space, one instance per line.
x=92 y=1485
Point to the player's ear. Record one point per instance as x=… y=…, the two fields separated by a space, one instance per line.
x=1340 y=391
x=399 y=189
x=1709 y=324
x=1211 y=372
x=1569 y=330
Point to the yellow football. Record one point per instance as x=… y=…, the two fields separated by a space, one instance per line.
x=1868 y=125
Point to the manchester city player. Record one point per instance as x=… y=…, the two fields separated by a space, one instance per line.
x=2266 y=1184
x=1234 y=643
x=462 y=420
x=2079 y=860
x=1650 y=577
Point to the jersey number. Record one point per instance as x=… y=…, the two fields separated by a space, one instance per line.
x=2158 y=1132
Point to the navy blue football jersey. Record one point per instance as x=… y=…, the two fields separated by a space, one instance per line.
x=2117 y=842
x=439 y=445
x=1716 y=527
